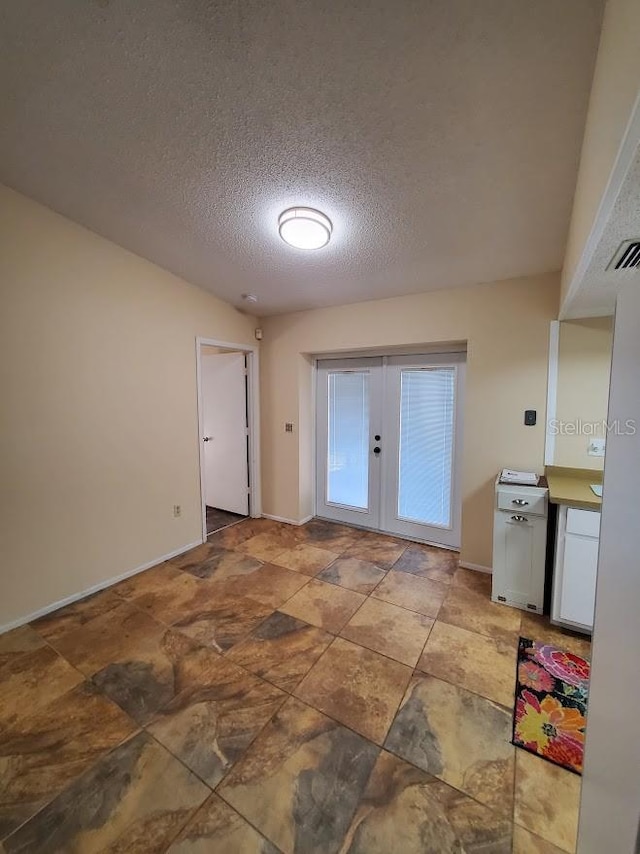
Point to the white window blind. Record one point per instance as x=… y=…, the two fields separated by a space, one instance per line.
x=348 y=445
x=427 y=408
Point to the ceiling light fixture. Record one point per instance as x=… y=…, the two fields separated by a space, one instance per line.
x=304 y=228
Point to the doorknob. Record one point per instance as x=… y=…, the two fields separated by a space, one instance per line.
x=207 y=438
x=376 y=450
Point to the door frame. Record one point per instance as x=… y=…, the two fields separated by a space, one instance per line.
x=446 y=349
x=253 y=418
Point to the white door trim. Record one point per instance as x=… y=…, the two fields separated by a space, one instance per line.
x=253 y=417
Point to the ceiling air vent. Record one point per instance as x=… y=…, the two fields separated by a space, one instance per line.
x=627 y=256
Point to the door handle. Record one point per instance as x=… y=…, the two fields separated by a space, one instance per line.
x=207 y=439
x=376 y=450
x=519 y=518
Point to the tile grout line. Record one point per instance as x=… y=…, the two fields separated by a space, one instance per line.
x=384 y=654
x=144 y=728
x=332 y=717
x=412 y=610
x=86 y=680
x=380 y=747
x=419 y=672
x=451 y=786
x=270 y=681
x=415 y=668
x=75 y=779
x=323 y=628
x=245 y=637
x=287 y=694
x=244 y=818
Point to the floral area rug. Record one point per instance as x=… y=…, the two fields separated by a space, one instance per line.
x=550 y=715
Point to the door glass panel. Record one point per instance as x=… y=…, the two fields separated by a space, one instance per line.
x=427 y=401
x=348 y=445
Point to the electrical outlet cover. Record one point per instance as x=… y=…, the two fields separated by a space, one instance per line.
x=595 y=448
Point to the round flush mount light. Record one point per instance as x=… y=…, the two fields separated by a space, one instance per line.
x=304 y=228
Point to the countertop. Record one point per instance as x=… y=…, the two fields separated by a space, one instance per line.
x=573 y=487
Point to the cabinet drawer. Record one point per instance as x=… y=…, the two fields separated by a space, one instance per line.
x=521 y=501
x=584 y=522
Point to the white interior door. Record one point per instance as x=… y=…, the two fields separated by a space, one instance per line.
x=388 y=444
x=225 y=434
x=349 y=399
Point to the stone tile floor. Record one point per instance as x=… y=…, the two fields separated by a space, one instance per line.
x=312 y=689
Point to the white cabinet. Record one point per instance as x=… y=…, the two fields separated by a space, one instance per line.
x=519 y=546
x=576 y=568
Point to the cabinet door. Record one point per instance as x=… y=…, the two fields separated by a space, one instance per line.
x=519 y=547
x=579 y=570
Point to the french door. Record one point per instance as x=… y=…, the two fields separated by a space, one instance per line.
x=389 y=443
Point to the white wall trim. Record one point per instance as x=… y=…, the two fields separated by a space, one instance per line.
x=102 y=585
x=478 y=567
x=287 y=521
x=622 y=164
x=253 y=376
x=552 y=392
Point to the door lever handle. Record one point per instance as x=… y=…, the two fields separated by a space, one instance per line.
x=207 y=438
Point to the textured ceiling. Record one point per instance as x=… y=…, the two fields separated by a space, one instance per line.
x=441 y=136
x=596 y=294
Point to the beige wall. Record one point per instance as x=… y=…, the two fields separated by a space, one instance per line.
x=584 y=365
x=99 y=425
x=616 y=84
x=506 y=326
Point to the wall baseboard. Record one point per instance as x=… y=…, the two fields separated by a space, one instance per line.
x=102 y=585
x=478 y=567
x=287 y=521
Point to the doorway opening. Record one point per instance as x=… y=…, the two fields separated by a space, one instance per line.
x=228 y=441
x=218 y=519
x=389 y=437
